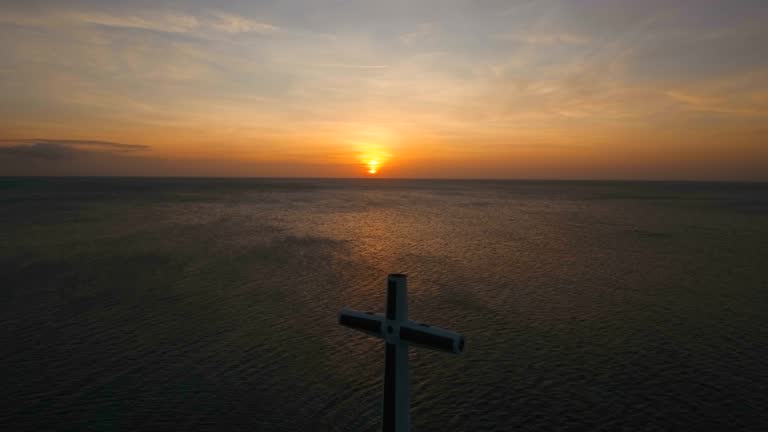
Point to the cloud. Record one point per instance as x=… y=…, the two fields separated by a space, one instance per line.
x=231 y=23
x=151 y=20
x=351 y=66
x=57 y=149
x=43 y=151
x=718 y=105
x=547 y=39
x=170 y=23
x=102 y=158
x=743 y=94
x=425 y=32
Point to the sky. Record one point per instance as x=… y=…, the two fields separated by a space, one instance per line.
x=549 y=89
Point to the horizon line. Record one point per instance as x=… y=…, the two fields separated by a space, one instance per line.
x=488 y=179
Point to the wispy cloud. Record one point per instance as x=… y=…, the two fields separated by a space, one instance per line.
x=712 y=104
x=151 y=20
x=350 y=66
x=162 y=22
x=744 y=94
x=547 y=39
x=424 y=32
x=55 y=149
x=231 y=23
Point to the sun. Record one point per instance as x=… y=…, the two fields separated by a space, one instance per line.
x=374 y=161
x=373 y=166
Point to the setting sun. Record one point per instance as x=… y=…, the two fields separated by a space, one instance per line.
x=373 y=166
x=373 y=156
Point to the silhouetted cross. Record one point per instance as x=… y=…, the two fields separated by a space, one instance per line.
x=399 y=332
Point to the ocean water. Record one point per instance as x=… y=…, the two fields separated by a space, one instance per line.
x=210 y=304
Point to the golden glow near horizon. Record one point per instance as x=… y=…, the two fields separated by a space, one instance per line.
x=373 y=157
x=550 y=89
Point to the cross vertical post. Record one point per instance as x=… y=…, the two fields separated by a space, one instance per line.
x=399 y=333
x=396 y=416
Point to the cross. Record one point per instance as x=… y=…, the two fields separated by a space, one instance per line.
x=399 y=333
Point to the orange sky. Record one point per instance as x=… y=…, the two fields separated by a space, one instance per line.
x=457 y=89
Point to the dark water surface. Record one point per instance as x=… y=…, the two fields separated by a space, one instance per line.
x=204 y=304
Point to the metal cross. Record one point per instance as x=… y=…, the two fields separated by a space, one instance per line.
x=399 y=333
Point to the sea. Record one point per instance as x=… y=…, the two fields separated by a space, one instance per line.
x=202 y=304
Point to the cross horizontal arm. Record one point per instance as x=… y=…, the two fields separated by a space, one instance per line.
x=366 y=322
x=417 y=333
